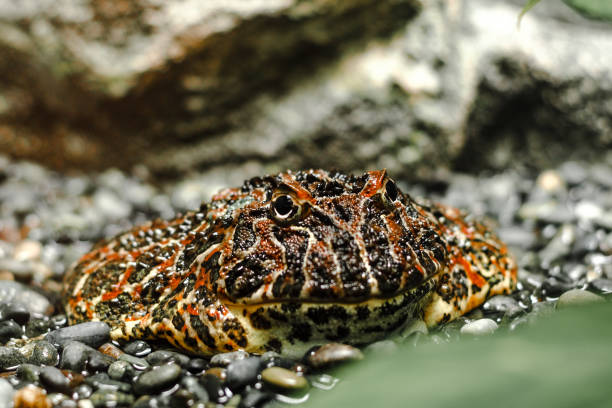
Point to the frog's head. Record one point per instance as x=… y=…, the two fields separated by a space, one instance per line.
x=308 y=245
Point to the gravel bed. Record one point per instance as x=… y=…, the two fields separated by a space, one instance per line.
x=557 y=223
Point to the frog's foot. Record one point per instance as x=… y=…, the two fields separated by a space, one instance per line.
x=466 y=287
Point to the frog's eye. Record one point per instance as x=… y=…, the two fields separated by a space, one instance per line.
x=391 y=192
x=284 y=208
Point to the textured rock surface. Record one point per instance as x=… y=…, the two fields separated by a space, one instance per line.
x=236 y=89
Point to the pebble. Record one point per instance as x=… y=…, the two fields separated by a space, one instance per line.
x=382 y=347
x=331 y=354
x=121 y=370
x=283 y=378
x=54 y=379
x=40 y=352
x=28 y=372
x=255 y=398
x=6 y=394
x=9 y=329
x=31 y=397
x=165 y=356
x=157 y=379
x=214 y=388
x=104 y=398
x=243 y=372
x=102 y=382
x=137 y=362
x=10 y=358
x=76 y=355
x=14 y=311
x=192 y=385
x=479 y=327
x=138 y=348
x=93 y=334
x=219 y=372
x=196 y=365
x=224 y=359
x=603 y=286
x=577 y=297
x=36 y=327
x=18 y=293
x=506 y=305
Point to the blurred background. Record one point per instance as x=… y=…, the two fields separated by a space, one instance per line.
x=116 y=112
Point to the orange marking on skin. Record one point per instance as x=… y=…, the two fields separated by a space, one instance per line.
x=474 y=277
x=374 y=183
x=192 y=310
x=117 y=289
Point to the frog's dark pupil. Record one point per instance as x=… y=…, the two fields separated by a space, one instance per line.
x=391 y=190
x=283 y=205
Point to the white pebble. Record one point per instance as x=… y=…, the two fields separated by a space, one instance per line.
x=479 y=327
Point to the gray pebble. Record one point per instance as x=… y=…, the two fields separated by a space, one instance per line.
x=93 y=334
x=224 y=359
x=104 y=398
x=165 y=356
x=137 y=362
x=40 y=352
x=18 y=293
x=283 y=378
x=9 y=329
x=255 y=398
x=36 y=327
x=479 y=327
x=28 y=372
x=192 y=385
x=577 y=297
x=54 y=380
x=503 y=304
x=14 y=311
x=76 y=357
x=137 y=348
x=102 y=382
x=240 y=373
x=121 y=370
x=331 y=354
x=10 y=358
x=6 y=394
x=158 y=379
x=603 y=286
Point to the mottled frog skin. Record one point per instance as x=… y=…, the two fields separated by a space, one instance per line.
x=288 y=261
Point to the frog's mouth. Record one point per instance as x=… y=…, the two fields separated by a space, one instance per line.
x=291 y=326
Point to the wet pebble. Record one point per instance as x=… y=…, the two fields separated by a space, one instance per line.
x=54 y=380
x=192 y=385
x=255 y=398
x=28 y=372
x=14 y=311
x=121 y=370
x=10 y=358
x=18 y=293
x=196 y=365
x=93 y=334
x=331 y=354
x=243 y=372
x=138 y=348
x=40 y=352
x=283 y=378
x=9 y=329
x=214 y=388
x=104 y=398
x=158 y=379
x=577 y=297
x=77 y=356
x=36 y=327
x=503 y=304
x=224 y=359
x=603 y=286
x=165 y=356
x=137 y=362
x=479 y=327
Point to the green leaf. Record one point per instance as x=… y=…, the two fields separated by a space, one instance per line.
x=564 y=360
x=594 y=9
x=528 y=6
